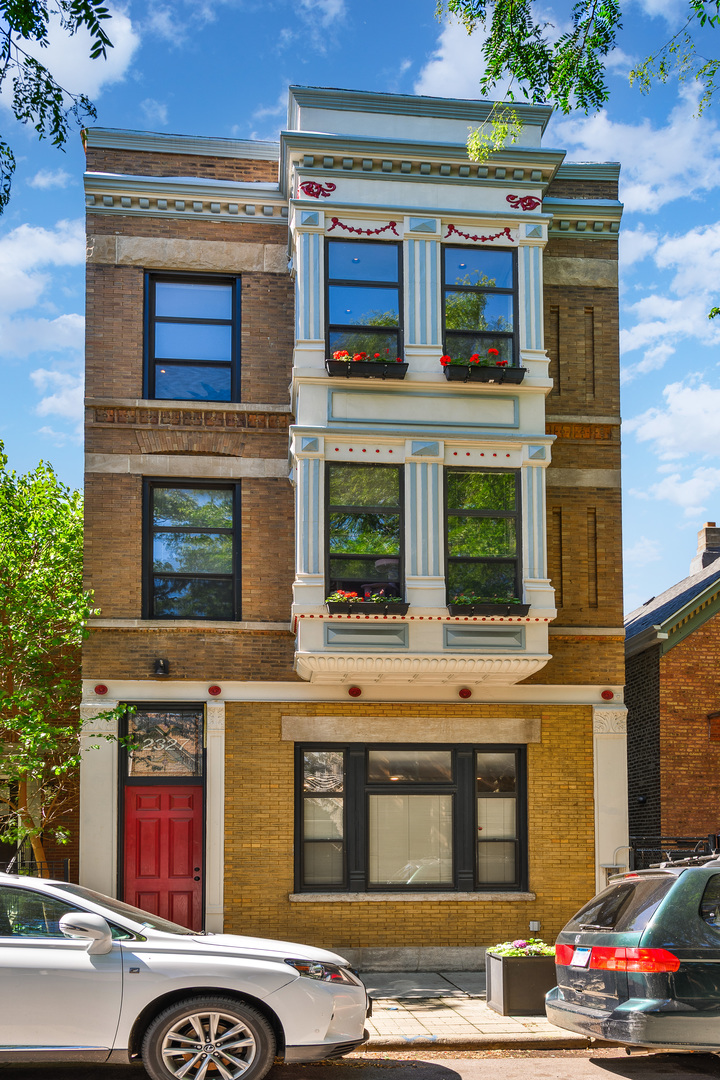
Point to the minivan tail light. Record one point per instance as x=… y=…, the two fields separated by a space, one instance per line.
x=563 y=955
x=648 y=961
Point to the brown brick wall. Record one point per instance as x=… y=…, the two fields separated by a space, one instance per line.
x=582 y=189
x=267 y=337
x=567 y=247
x=642 y=697
x=268 y=549
x=259 y=814
x=191 y=228
x=582 y=658
x=581 y=337
x=166 y=437
x=149 y=163
x=113 y=544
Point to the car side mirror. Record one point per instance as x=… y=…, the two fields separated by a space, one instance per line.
x=83 y=924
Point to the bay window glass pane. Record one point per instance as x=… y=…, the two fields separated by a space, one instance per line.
x=353 y=261
x=323 y=863
x=197 y=598
x=193 y=300
x=323 y=770
x=193 y=341
x=381 y=571
x=187 y=552
x=479 y=267
x=479 y=311
x=192 y=382
x=410 y=839
x=199 y=507
x=383 y=343
x=488 y=580
x=496 y=772
x=165 y=742
x=496 y=863
x=353 y=485
x=496 y=819
x=461 y=346
x=365 y=533
x=323 y=819
x=363 y=305
x=481 y=491
x=419 y=766
x=481 y=536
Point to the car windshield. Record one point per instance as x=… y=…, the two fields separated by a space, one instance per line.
x=137 y=915
x=628 y=905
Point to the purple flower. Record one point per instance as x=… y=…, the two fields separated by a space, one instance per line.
x=519 y=944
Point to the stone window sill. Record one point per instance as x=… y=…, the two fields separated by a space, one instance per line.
x=407 y=897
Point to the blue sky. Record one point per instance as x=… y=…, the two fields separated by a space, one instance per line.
x=222 y=67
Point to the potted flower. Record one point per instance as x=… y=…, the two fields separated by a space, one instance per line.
x=343 y=602
x=365 y=365
x=472 y=604
x=489 y=369
x=519 y=974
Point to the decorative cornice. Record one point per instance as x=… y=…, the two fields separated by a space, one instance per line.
x=187 y=417
x=196 y=145
x=609 y=721
x=589 y=170
x=591 y=217
x=170 y=196
x=426 y=669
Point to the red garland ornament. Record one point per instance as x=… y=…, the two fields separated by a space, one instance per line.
x=481 y=239
x=337 y=224
x=523 y=202
x=314 y=190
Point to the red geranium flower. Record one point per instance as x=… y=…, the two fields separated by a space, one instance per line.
x=376 y=356
x=493 y=352
x=399 y=360
x=360 y=356
x=501 y=363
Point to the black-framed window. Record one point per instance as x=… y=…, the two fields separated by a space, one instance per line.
x=192 y=335
x=364 y=528
x=479 y=303
x=482 y=510
x=402 y=818
x=192 y=542
x=363 y=300
x=164 y=743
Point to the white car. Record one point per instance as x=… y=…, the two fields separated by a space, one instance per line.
x=88 y=978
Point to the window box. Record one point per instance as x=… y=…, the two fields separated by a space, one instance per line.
x=483 y=373
x=517 y=985
x=392 y=607
x=365 y=369
x=488 y=609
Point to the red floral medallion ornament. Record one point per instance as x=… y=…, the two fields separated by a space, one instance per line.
x=315 y=191
x=523 y=202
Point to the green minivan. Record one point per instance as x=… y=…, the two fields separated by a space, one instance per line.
x=640 y=963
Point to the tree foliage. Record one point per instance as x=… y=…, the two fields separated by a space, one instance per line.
x=36 y=97
x=43 y=611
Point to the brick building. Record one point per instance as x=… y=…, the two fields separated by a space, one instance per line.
x=673 y=701
x=396 y=775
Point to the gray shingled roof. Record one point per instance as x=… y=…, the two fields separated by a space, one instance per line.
x=662 y=607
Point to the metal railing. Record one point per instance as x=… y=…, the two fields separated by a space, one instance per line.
x=646 y=851
x=57 y=869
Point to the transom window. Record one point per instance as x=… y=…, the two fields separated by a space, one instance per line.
x=192 y=338
x=192 y=551
x=364 y=529
x=483 y=519
x=479 y=303
x=401 y=818
x=363 y=298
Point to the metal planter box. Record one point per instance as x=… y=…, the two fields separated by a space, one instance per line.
x=339 y=607
x=488 y=609
x=517 y=985
x=483 y=373
x=362 y=369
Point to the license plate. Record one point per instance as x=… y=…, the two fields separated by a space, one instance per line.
x=580 y=958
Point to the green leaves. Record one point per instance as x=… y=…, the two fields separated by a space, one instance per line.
x=37 y=98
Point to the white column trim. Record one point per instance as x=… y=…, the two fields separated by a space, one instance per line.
x=98 y=825
x=215 y=817
x=610 y=790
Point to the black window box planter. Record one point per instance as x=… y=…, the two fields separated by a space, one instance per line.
x=478 y=373
x=517 y=985
x=365 y=369
x=372 y=607
x=488 y=609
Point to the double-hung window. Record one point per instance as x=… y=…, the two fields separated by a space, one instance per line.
x=403 y=818
x=364 y=529
x=192 y=551
x=483 y=534
x=363 y=301
x=192 y=338
x=479 y=303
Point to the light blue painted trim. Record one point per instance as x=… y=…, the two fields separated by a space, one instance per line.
x=537 y=299
x=386 y=426
x=375 y=638
x=529 y=509
x=410 y=274
x=422 y=338
x=305 y=520
x=518 y=633
x=423 y=225
x=317 y=517
x=304 y=240
x=435 y=519
x=318 y=286
x=541 y=571
x=413 y=529
x=527 y=296
x=434 y=292
x=424 y=520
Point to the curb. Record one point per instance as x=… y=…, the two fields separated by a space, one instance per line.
x=505 y=1041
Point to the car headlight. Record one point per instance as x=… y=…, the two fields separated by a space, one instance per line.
x=312 y=969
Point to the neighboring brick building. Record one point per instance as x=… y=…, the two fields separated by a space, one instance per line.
x=673 y=700
x=373 y=779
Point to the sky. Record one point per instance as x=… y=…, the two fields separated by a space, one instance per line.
x=222 y=68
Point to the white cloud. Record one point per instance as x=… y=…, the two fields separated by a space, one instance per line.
x=62 y=393
x=24 y=253
x=635 y=245
x=163 y=22
x=323 y=11
x=642 y=551
x=650 y=176
x=673 y=11
x=456 y=66
x=692 y=494
x=47 y=178
x=20 y=338
x=688 y=423
x=156 y=112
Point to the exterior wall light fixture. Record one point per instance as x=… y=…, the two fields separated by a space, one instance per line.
x=161 y=667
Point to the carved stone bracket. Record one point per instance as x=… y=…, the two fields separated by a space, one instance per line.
x=216 y=716
x=609 y=721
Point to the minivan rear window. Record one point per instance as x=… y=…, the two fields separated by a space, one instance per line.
x=628 y=905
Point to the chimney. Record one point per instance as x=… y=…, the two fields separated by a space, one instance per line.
x=708 y=549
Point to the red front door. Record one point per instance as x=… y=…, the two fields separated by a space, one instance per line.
x=164 y=849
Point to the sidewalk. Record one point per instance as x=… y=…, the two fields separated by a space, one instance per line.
x=447 y=1010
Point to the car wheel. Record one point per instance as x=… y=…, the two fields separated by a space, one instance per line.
x=207 y=1038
